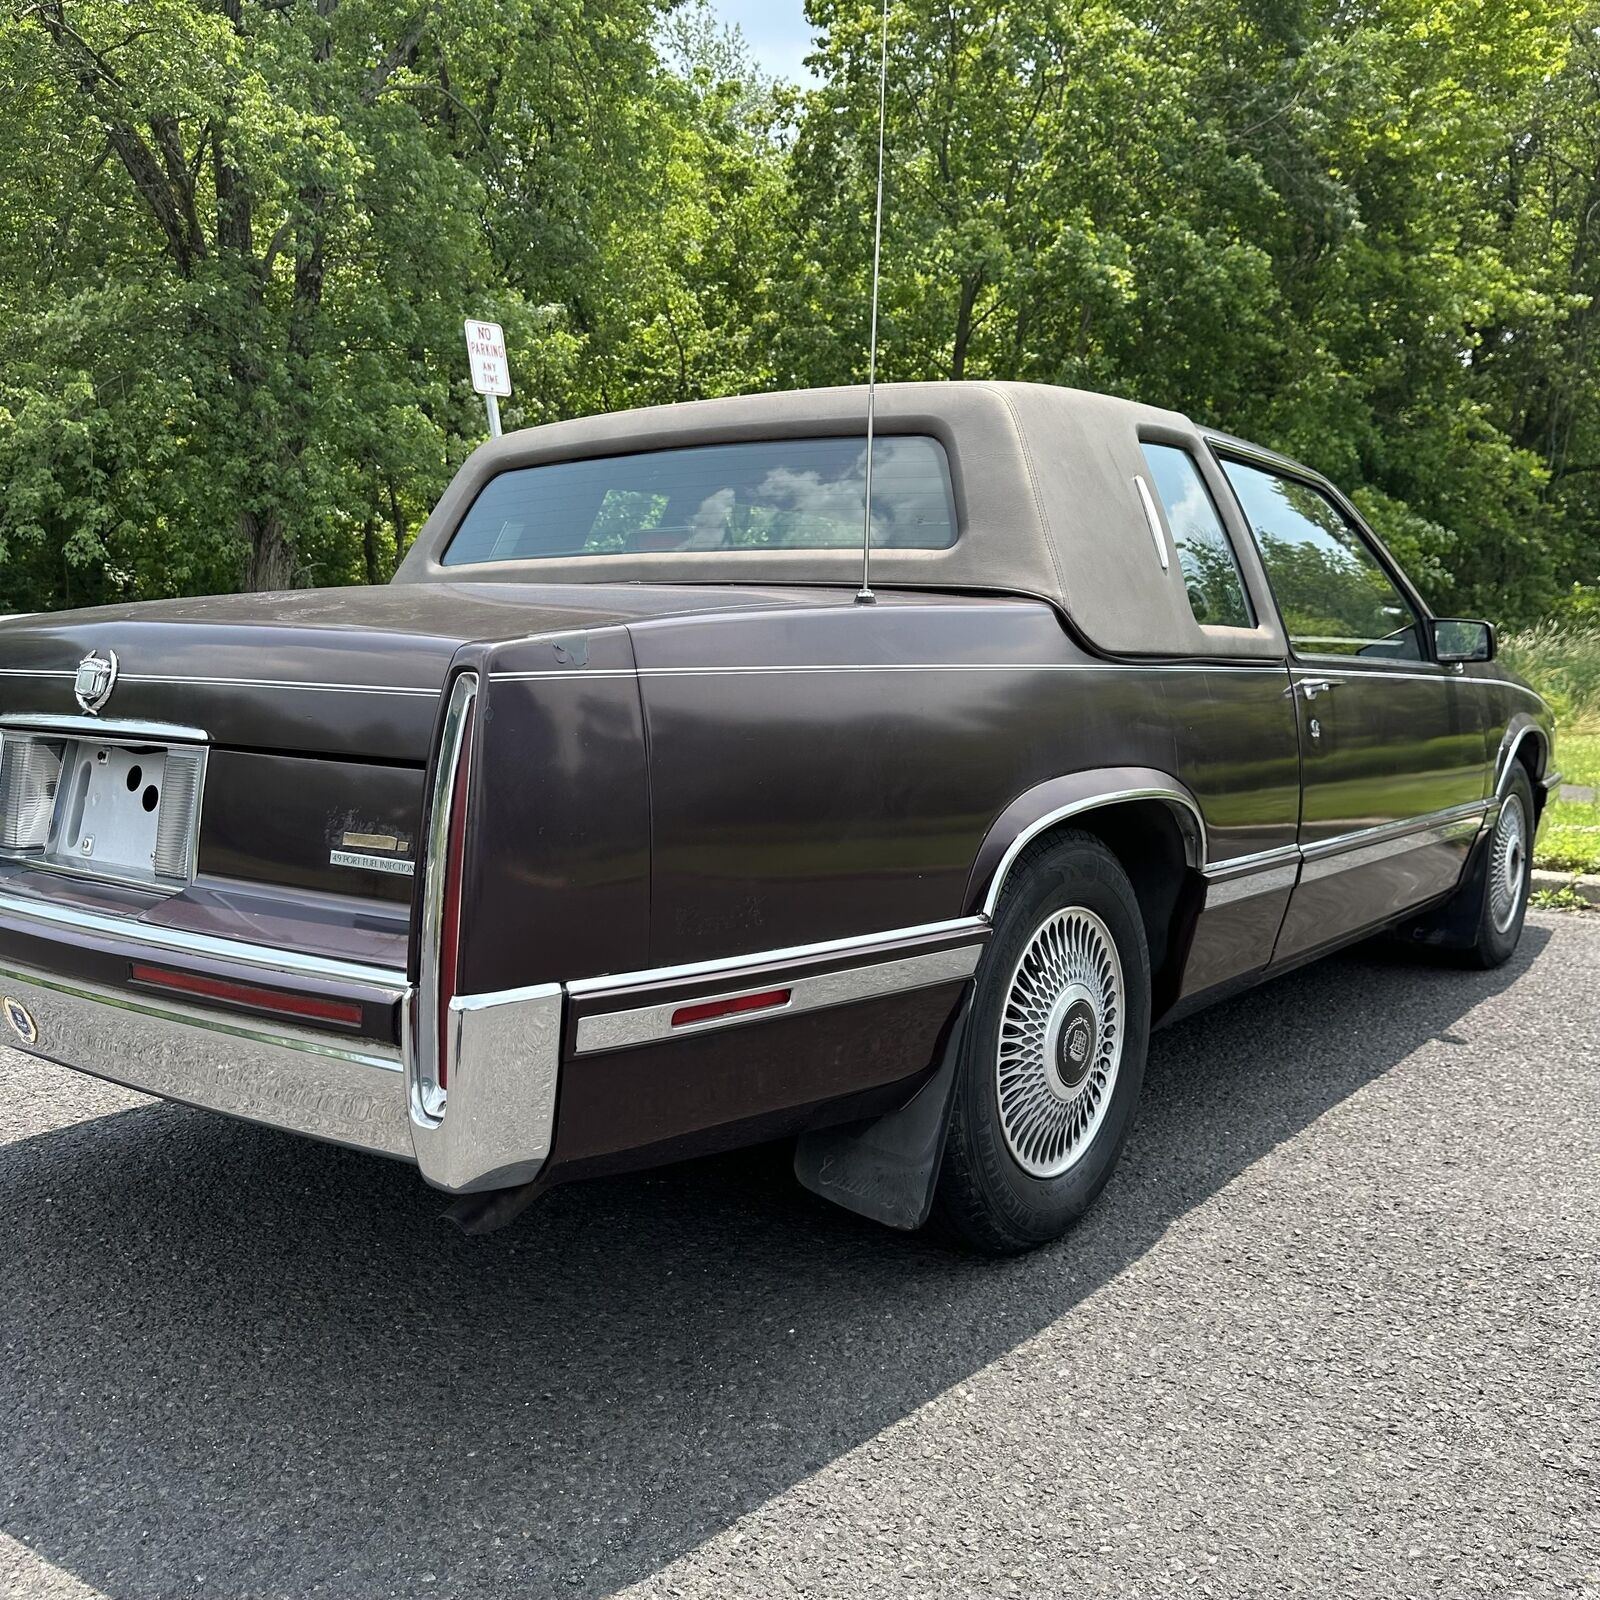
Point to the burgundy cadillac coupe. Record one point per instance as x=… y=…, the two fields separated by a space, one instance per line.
x=617 y=828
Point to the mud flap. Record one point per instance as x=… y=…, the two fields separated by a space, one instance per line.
x=886 y=1169
x=1453 y=924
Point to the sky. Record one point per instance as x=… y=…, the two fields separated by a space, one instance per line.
x=775 y=30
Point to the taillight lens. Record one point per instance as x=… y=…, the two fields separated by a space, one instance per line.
x=455 y=852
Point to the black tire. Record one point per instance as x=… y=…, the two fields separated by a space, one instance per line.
x=987 y=1195
x=1508 y=872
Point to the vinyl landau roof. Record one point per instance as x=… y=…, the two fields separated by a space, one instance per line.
x=1044 y=489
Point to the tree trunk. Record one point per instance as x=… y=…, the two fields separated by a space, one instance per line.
x=269 y=564
x=397 y=517
x=970 y=290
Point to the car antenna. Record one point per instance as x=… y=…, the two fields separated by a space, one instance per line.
x=865 y=596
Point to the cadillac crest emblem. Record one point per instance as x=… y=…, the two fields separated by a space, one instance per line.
x=97 y=676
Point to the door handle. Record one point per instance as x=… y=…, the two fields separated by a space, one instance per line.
x=1312 y=687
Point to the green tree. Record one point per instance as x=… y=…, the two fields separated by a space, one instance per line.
x=232 y=312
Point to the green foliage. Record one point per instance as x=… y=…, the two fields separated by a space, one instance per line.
x=1569 y=831
x=1562 y=661
x=1567 y=898
x=238 y=238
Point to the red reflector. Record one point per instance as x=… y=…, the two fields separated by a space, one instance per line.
x=706 y=1010
x=313 y=1006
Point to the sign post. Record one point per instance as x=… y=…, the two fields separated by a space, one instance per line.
x=491 y=372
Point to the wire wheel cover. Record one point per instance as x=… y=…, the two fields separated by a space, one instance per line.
x=1508 y=862
x=1061 y=1030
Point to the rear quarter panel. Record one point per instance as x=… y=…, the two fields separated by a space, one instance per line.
x=558 y=883
x=821 y=775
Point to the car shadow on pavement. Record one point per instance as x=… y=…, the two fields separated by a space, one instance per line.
x=266 y=1364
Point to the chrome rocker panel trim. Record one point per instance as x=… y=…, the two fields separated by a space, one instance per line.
x=652 y=1024
x=1368 y=846
x=729 y=967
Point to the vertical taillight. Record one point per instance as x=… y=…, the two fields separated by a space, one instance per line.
x=450 y=917
x=442 y=887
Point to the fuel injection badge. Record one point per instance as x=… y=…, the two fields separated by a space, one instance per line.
x=374 y=852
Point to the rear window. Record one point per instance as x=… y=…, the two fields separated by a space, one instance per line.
x=788 y=494
x=1205 y=556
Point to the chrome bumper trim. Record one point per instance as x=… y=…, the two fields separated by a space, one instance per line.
x=495 y=1123
x=54 y=917
x=640 y=1025
x=110 y=728
x=284 y=1078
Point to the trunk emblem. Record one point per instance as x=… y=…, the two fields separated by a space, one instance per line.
x=22 y=1023
x=374 y=852
x=97 y=677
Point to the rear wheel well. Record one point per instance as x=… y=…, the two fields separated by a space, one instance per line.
x=1531 y=753
x=1149 y=845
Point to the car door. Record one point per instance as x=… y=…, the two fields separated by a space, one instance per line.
x=1391 y=743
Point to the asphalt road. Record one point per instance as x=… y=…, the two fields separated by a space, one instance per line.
x=1334 y=1328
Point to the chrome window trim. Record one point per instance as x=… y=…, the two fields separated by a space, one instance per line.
x=732 y=967
x=1318 y=667
x=1152 y=521
x=652 y=1024
x=426 y=1097
x=1195 y=847
x=185 y=942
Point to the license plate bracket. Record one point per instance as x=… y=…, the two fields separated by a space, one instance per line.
x=123 y=810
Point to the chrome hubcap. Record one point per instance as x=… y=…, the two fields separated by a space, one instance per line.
x=1508 y=863
x=1060 y=1041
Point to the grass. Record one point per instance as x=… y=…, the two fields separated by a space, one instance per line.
x=1569 y=837
x=1562 y=661
x=1566 y=898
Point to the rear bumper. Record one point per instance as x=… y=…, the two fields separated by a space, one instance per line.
x=352 y=1095
x=497 y=1124
x=854 y=1017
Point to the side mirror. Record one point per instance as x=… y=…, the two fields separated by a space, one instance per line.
x=1456 y=639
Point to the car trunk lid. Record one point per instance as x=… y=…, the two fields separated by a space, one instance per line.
x=351 y=674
